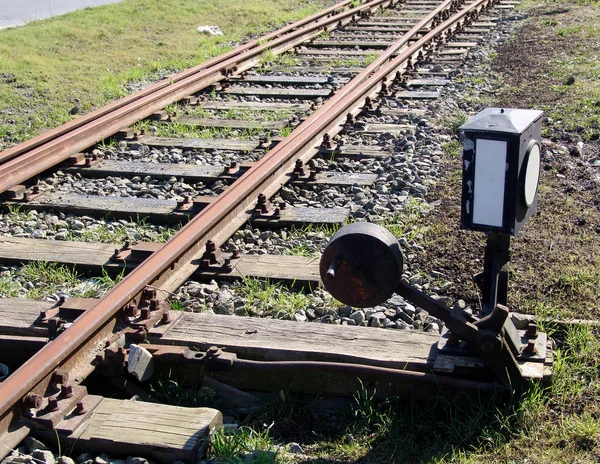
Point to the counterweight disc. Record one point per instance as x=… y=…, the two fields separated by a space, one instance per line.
x=362 y=265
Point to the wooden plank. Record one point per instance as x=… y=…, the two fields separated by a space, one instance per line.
x=460 y=45
x=359 y=152
x=299 y=270
x=18 y=316
x=85 y=255
x=166 y=212
x=389 y=128
x=115 y=207
x=428 y=82
x=400 y=19
x=232 y=123
x=260 y=106
x=417 y=95
x=308 y=52
x=199 y=144
x=349 y=43
x=341 y=178
x=303 y=215
x=191 y=172
x=276 y=340
x=353 y=35
x=155 y=431
x=403 y=112
x=327 y=69
x=376 y=29
x=279 y=93
x=429 y=73
x=453 y=52
x=295 y=80
x=379 y=26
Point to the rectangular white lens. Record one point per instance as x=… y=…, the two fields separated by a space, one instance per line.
x=490 y=174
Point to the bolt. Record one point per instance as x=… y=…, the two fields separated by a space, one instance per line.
x=211 y=246
x=227 y=266
x=236 y=254
x=530 y=348
x=61 y=300
x=154 y=304
x=33 y=401
x=80 y=408
x=60 y=377
x=43 y=314
x=214 y=351
x=166 y=318
x=129 y=310
x=66 y=391
x=282 y=205
x=52 y=405
x=127 y=245
x=531 y=330
x=145 y=314
x=276 y=213
x=35 y=189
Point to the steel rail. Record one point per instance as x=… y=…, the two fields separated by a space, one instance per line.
x=187 y=244
x=10 y=153
x=58 y=149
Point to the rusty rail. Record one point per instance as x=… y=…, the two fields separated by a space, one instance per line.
x=174 y=262
x=84 y=119
x=26 y=160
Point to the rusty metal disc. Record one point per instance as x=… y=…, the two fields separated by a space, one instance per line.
x=362 y=265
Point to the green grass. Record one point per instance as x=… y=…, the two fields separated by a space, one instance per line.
x=245 y=445
x=90 y=57
x=452 y=123
x=38 y=280
x=558 y=423
x=406 y=223
x=273 y=299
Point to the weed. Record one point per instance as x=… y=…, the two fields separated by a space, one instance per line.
x=452 y=149
x=79 y=58
x=272 y=299
x=369 y=58
x=285 y=131
x=452 y=123
x=178 y=393
x=230 y=447
x=177 y=305
x=106 y=281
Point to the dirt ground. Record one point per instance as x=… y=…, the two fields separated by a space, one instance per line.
x=555 y=259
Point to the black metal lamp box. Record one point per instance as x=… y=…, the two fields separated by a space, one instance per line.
x=501 y=169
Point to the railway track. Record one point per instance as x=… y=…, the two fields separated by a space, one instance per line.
x=259 y=138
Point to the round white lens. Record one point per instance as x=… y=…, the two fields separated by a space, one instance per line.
x=532 y=174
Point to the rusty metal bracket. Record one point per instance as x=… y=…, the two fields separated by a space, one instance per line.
x=214 y=359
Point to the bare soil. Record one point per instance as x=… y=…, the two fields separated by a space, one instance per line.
x=555 y=259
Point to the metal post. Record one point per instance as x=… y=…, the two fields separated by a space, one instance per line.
x=495 y=278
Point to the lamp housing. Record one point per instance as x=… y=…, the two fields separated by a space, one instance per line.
x=501 y=169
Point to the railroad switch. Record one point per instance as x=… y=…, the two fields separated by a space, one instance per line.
x=362 y=265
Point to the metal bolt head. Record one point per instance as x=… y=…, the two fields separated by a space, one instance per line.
x=60 y=377
x=80 y=408
x=66 y=391
x=530 y=348
x=52 y=405
x=33 y=401
x=531 y=330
